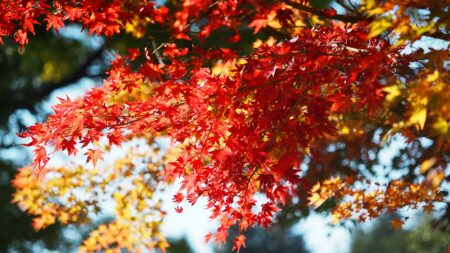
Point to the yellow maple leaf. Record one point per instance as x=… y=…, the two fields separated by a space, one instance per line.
x=378 y=26
x=427 y=164
x=393 y=92
x=419 y=116
x=316 y=200
x=433 y=77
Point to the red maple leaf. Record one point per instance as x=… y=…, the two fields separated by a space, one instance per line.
x=239 y=242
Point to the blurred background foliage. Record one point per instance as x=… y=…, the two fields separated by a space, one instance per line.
x=28 y=78
x=278 y=238
x=422 y=238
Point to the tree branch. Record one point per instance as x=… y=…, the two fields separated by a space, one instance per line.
x=82 y=71
x=33 y=96
x=439 y=35
x=320 y=13
x=345 y=6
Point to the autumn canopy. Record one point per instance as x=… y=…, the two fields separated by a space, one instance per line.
x=269 y=108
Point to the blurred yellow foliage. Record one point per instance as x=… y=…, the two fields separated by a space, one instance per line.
x=71 y=195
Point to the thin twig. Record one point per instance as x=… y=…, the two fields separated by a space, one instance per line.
x=157 y=55
x=191 y=22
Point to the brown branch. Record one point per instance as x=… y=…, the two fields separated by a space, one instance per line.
x=157 y=54
x=33 y=96
x=8 y=146
x=438 y=35
x=80 y=72
x=322 y=14
x=345 y=6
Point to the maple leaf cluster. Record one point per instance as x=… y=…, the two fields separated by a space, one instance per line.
x=244 y=123
x=240 y=134
x=375 y=199
x=98 y=17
